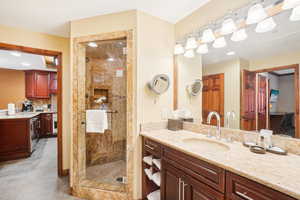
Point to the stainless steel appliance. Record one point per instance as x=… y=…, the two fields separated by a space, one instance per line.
x=27 y=106
x=54 y=120
x=34 y=135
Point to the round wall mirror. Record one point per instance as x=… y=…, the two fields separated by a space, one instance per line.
x=195 y=88
x=159 y=84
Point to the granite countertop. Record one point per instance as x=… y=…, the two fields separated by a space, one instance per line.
x=282 y=173
x=24 y=115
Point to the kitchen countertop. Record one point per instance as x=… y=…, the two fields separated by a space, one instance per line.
x=282 y=173
x=24 y=115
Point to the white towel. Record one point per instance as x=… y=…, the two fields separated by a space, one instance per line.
x=157 y=162
x=156 y=178
x=148 y=159
x=96 y=121
x=154 y=195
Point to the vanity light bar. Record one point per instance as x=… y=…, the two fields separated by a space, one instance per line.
x=209 y=35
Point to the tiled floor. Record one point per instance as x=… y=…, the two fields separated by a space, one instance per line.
x=34 y=178
x=107 y=173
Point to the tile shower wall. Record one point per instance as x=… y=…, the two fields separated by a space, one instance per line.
x=107 y=78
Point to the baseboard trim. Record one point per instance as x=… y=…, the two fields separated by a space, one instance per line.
x=65 y=172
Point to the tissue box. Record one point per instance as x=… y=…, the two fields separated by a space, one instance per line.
x=175 y=124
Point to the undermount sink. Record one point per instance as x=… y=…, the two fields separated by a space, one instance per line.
x=205 y=144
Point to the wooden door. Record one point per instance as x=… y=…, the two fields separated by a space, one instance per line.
x=196 y=190
x=248 y=105
x=171 y=178
x=262 y=102
x=213 y=97
x=42 y=85
x=30 y=84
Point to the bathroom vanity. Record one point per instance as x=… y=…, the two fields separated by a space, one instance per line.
x=196 y=167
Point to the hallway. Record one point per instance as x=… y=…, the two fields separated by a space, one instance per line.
x=34 y=178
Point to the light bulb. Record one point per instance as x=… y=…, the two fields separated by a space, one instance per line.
x=178 y=49
x=219 y=43
x=189 y=53
x=228 y=26
x=256 y=14
x=295 y=16
x=289 y=4
x=208 y=36
x=93 y=44
x=239 y=35
x=191 y=43
x=230 y=53
x=266 y=25
x=202 y=49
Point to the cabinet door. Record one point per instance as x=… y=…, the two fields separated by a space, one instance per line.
x=42 y=85
x=30 y=84
x=46 y=125
x=171 y=182
x=196 y=190
x=53 y=83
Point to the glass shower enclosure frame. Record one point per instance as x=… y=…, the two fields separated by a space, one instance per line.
x=81 y=186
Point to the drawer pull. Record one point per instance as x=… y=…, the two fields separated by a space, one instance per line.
x=148 y=146
x=244 y=195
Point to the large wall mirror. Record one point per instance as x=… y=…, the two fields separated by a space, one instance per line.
x=257 y=79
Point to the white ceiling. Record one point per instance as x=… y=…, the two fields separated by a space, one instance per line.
x=52 y=16
x=9 y=61
x=284 y=39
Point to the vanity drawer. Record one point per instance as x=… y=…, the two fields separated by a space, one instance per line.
x=198 y=169
x=152 y=147
x=240 y=188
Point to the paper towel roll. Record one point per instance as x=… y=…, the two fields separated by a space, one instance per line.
x=11 y=109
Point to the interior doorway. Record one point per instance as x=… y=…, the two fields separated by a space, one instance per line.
x=270 y=100
x=58 y=121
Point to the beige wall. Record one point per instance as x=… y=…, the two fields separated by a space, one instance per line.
x=27 y=38
x=231 y=70
x=154 y=49
x=104 y=24
x=211 y=11
x=12 y=87
x=286 y=100
x=275 y=61
x=189 y=69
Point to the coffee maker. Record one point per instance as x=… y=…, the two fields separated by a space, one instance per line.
x=27 y=106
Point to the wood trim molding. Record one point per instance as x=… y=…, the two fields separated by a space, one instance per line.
x=43 y=52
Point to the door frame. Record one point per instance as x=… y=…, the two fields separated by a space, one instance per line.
x=297 y=92
x=78 y=181
x=43 y=52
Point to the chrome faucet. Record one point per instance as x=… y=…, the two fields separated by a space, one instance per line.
x=229 y=115
x=210 y=115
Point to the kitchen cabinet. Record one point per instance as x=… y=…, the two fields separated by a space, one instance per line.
x=185 y=177
x=46 y=127
x=14 y=139
x=37 y=84
x=53 y=83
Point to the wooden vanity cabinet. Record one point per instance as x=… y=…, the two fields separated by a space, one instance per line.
x=53 y=83
x=46 y=128
x=184 y=177
x=240 y=188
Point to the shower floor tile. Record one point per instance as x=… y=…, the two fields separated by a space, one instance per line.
x=107 y=173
